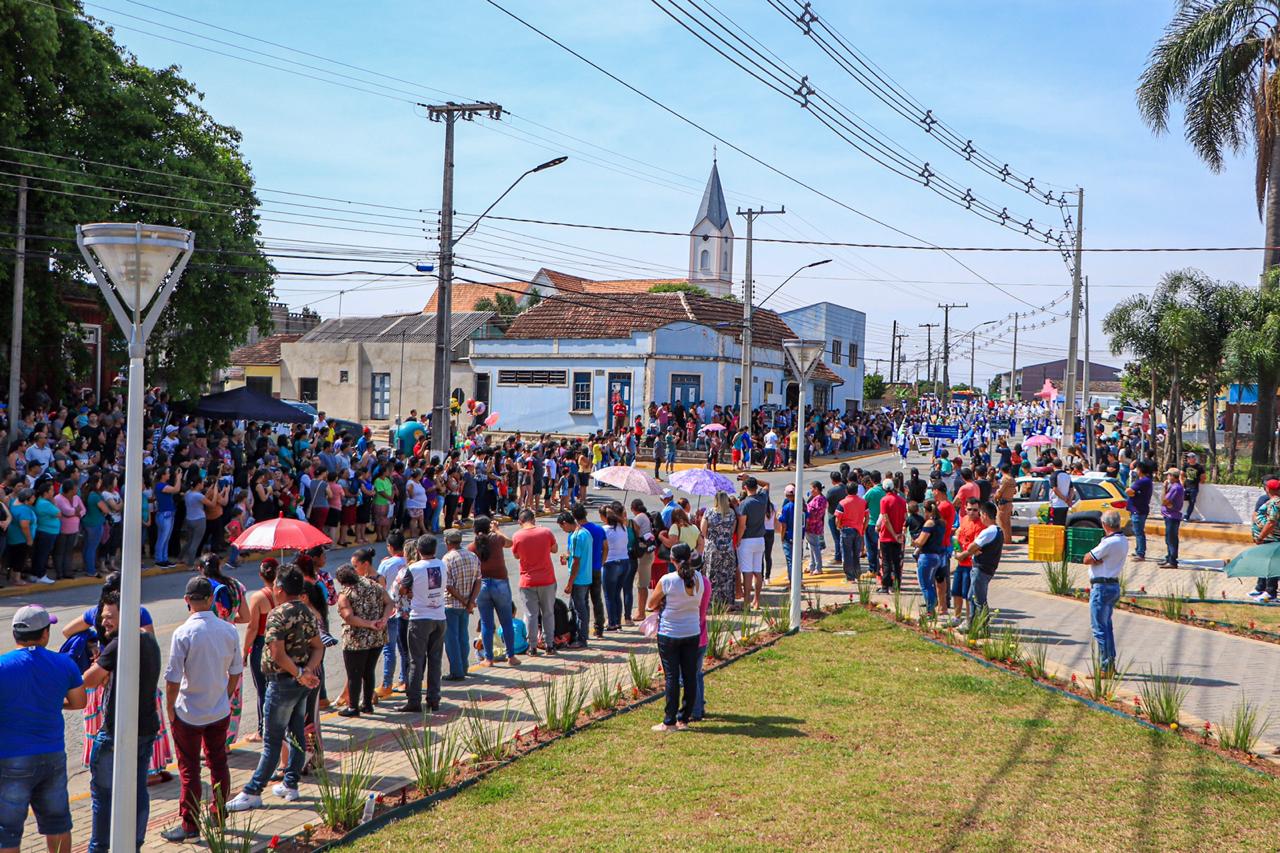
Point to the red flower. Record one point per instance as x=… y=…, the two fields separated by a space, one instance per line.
x=274 y=842
x=1252 y=624
x=1142 y=589
x=1133 y=601
x=1207 y=726
x=1192 y=612
x=1073 y=678
x=1137 y=700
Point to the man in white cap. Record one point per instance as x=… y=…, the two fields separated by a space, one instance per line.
x=36 y=686
x=668 y=507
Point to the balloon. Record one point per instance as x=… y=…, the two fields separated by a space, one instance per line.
x=471 y=407
x=480 y=407
x=491 y=420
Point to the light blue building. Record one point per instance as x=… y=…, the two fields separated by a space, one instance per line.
x=845 y=331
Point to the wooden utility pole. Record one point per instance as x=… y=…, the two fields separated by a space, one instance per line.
x=744 y=395
x=1013 y=365
x=928 y=352
x=893 y=351
x=441 y=417
x=946 y=345
x=1073 y=347
x=19 y=275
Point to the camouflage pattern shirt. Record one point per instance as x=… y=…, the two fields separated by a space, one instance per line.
x=294 y=624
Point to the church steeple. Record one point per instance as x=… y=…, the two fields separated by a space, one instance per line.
x=711 y=240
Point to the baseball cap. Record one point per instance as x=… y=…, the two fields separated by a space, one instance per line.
x=1174 y=471
x=33 y=617
x=199 y=587
x=790 y=489
x=1273 y=484
x=667 y=494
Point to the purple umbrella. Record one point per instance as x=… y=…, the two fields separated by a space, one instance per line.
x=702 y=481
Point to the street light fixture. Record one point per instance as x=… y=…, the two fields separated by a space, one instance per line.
x=440 y=415
x=973 y=348
x=761 y=303
x=135 y=265
x=803 y=356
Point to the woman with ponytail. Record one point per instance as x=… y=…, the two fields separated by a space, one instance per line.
x=678 y=598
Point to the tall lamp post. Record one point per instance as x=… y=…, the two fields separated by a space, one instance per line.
x=441 y=418
x=803 y=355
x=135 y=266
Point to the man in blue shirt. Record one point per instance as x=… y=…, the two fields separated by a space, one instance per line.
x=786 y=517
x=597 y=568
x=1139 y=507
x=36 y=686
x=578 y=561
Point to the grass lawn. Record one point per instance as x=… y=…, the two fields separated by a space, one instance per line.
x=1265 y=618
x=874 y=740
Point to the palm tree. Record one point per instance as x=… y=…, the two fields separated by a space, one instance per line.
x=1220 y=58
x=1253 y=348
x=1134 y=325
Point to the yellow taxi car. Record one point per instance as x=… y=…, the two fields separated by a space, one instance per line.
x=1094 y=494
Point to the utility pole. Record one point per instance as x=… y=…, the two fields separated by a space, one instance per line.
x=744 y=397
x=973 y=348
x=15 y=342
x=946 y=346
x=1013 y=365
x=928 y=352
x=440 y=416
x=900 y=366
x=893 y=351
x=1073 y=347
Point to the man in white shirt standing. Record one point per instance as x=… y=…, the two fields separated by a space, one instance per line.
x=397 y=641
x=205 y=666
x=770 y=449
x=1059 y=494
x=425 y=580
x=1106 y=562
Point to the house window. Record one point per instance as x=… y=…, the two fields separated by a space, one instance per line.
x=704 y=261
x=582 y=391
x=482 y=388
x=258 y=384
x=309 y=389
x=768 y=390
x=343 y=375
x=558 y=378
x=835 y=351
x=853 y=355
x=380 y=396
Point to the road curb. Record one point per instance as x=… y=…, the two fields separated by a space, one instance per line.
x=83 y=580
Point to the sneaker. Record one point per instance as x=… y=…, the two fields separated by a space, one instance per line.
x=962 y=625
x=1257 y=593
x=284 y=792
x=244 y=801
x=45 y=579
x=1266 y=597
x=178 y=835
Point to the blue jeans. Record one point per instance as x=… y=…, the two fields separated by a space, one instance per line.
x=873 y=550
x=164 y=532
x=927 y=566
x=978 y=583
x=615 y=574
x=285 y=711
x=1171 y=539
x=41 y=781
x=835 y=537
x=100 y=788
x=1139 y=535
x=851 y=544
x=92 y=539
x=629 y=586
x=581 y=592
x=495 y=597
x=786 y=553
x=455 y=640
x=1102 y=603
x=394 y=646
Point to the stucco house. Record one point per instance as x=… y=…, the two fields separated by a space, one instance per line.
x=257 y=365
x=845 y=332
x=375 y=369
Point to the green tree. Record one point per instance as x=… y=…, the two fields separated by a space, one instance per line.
x=873 y=387
x=1220 y=59
x=103 y=138
x=503 y=304
x=679 y=287
x=1253 y=347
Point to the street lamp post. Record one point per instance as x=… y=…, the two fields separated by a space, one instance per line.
x=803 y=355
x=973 y=348
x=135 y=266
x=441 y=418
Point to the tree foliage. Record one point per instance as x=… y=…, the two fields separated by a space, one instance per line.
x=679 y=287
x=873 y=387
x=103 y=138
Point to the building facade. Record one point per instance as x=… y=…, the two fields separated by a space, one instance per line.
x=845 y=332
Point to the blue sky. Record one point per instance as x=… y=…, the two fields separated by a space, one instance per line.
x=1047 y=87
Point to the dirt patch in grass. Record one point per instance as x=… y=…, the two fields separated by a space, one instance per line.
x=928 y=751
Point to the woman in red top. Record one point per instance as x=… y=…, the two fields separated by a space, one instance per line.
x=261 y=603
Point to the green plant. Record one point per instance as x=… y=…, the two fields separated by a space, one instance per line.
x=717 y=632
x=605 y=695
x=1162 y=695
x=1102 y=681
x=1243 y=726
x=212 y=826
x=1036 y=659
x=1124 y=584
x=865 y=586
x=979 y=626
x=486 y=739
x=563 y=699
x=1173 y=606
x=1004 y=645
x=642 y=673
x=1059 y=577
x=431 y=756
x=899 y=609
x=1201 y=581
x=341 y=799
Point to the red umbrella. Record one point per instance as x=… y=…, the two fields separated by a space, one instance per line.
x=280 y=533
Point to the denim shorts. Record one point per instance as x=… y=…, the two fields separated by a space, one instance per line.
x=39 y=781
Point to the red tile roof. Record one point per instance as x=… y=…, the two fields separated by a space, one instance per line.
x=264 y=352
x=465 y=296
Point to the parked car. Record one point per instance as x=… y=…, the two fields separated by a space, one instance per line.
x=351 y=428
x=1095 y=493
x=1130 y=413
x=305 y=408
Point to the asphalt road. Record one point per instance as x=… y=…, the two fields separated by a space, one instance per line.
x=162 y=596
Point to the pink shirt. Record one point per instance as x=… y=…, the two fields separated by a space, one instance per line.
x=702 y=614
x=71 y=511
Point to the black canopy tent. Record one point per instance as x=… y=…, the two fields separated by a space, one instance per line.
x=243 y=404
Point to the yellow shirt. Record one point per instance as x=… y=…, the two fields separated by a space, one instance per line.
x=794 y=440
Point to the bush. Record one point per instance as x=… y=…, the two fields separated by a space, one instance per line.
x=1162 y=695
x=1101 y=682
x=485 y=739
x=563 y=699
x=341 y=801
x=642 y=674
x=605 y=695
x=1059 y=577
x=1004 y=645
x=1243 y=726
x=1037 y=660
x=1173 y=606
x=431 y=756
x=865 y=586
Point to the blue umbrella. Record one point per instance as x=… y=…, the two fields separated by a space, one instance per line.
x=1260 y=561
x=702 y=481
